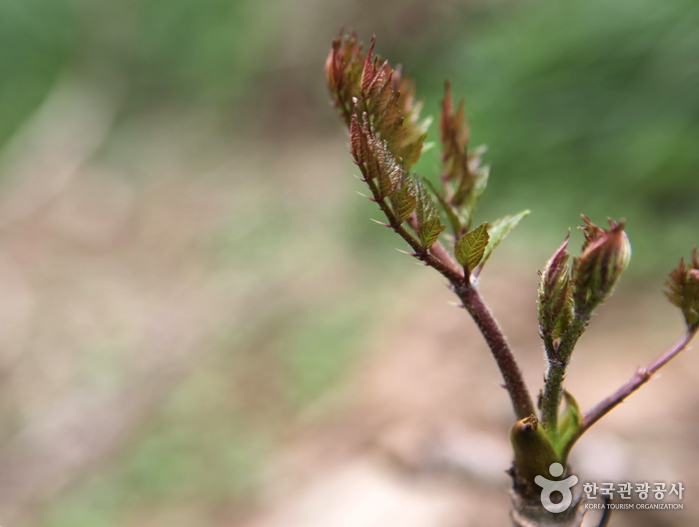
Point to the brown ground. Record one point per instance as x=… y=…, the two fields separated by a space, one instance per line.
x=421 y=438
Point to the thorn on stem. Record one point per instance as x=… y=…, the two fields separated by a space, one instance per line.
x=367 y=197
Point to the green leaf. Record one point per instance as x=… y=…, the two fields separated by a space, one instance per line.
x=428 y=222
x=389 y=171
x=569 y=424
x=499 y=229
x=425 y=206
x=412 y=152
x=429 y=231
x=471 y=200
x=403 y=200
x=471 y=246
x=452 y=215
x=429 y=145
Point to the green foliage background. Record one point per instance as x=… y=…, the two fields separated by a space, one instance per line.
x=586 y=106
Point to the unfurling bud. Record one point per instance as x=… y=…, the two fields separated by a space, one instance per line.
x=683 y=290
x=555 y=297
x=534 y=452
x=606 y=254
x=343 y=70
x=364 y=87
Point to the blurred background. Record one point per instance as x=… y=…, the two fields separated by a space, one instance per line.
x=201 y=326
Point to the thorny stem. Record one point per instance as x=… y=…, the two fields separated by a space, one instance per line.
x=445 y=266
x=642 y=376
x=438 y=251
x=438 y=258
x=514 y=381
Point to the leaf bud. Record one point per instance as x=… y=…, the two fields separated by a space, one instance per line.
x=605 y=256
x=555 y=296
x=682 y=289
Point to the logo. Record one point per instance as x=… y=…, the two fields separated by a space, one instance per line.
x=548 y=487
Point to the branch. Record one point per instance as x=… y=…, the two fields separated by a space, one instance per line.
x=435 y=257
x=488 y=326
x=514 y=381
x=642 y=376
x=558 y=360
x=439 y=252
x=386 y=139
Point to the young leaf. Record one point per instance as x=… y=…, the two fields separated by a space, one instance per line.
x=343 y=71
x=499 y=229
x=468 y=207
x=428 y=222
x=568 y=425
x=412 y=151
x=389 y=171
x=471 y=246
x=403 y=200
x=362 y=84
x=682 y=289
x=452 y=215
x=374 y=158
x=454 y=135
x=429 y=231
x=359 y=146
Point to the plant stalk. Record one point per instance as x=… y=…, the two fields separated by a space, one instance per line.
x=558 y=359
x=529 y=512
x=499 y=347
x=642 y=376
x=439 y=259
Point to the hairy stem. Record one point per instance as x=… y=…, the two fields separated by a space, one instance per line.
x=433 y=257
x=439 y=252
x=529 y=512
x=437 y=258
x=553 y=392
x=642 y=376
x=512 y=375
x=558 y=359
